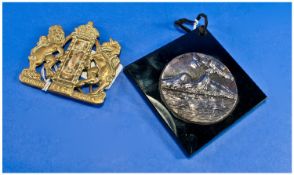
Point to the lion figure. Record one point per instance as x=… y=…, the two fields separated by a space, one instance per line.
x=45 y=49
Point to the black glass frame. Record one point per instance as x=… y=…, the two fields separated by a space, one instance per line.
x=146 y=72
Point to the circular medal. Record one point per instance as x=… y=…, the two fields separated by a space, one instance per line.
x=198 y=88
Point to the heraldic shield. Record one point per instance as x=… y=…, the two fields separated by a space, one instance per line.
x=81 y=71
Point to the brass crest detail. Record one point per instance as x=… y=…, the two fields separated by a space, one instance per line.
x=76 y=66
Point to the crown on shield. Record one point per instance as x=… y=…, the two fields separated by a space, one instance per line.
x=87 y=31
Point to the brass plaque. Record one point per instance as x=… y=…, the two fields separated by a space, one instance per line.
x=77 y=66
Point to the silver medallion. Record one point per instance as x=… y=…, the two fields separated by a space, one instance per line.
x=198 y=88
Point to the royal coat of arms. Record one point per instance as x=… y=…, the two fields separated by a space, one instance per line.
x=76 y=66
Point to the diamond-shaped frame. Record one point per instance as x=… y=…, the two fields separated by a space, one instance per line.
x=146 y=72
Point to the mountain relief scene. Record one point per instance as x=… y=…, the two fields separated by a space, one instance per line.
x=198 y=88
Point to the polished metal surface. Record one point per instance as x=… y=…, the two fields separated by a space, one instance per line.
x=82 y=71
x=198 y=88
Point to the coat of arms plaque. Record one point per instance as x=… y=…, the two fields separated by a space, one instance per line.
x=77 y=66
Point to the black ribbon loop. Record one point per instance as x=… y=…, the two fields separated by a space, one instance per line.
x=202 y=29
